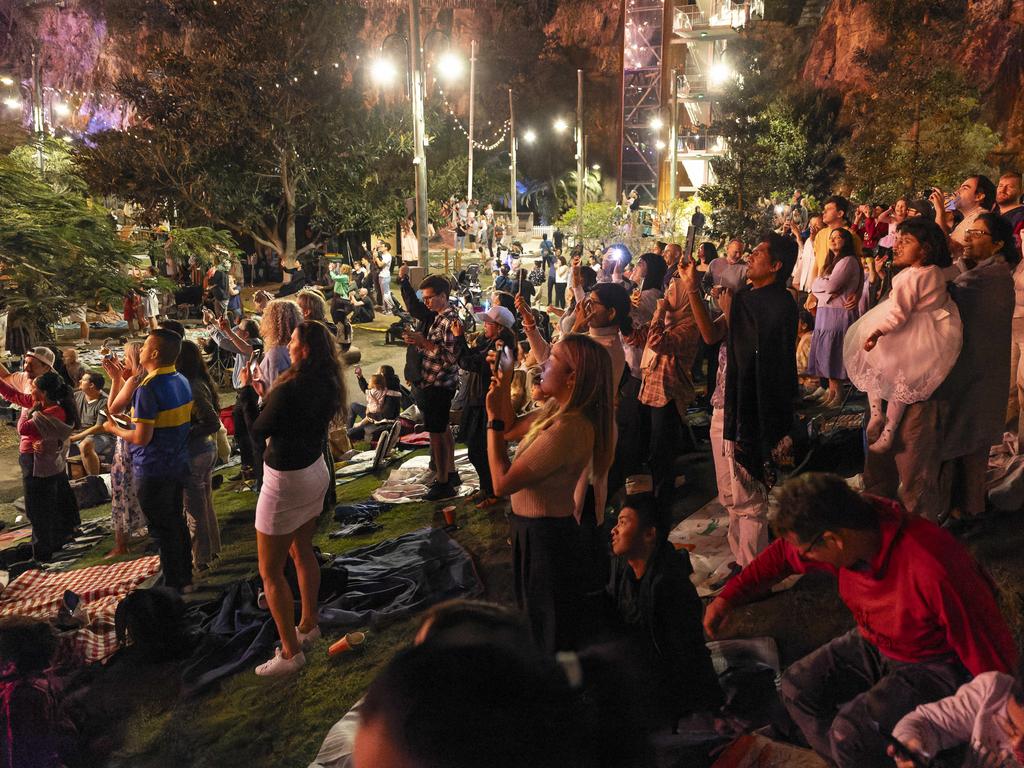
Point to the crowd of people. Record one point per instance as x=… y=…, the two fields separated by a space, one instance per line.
x=581 y=408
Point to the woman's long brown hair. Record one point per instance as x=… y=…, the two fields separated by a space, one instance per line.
x=321 y=363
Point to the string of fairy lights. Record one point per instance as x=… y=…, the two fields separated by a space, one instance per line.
x=72 y=99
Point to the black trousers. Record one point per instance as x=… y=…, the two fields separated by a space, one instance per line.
x=161 y=501
x=664 y=442
x=248 y=402
x=631 y=448
x=844 y=695
x=50 y=506
x=244 y=413
x=551 y=290
x=560 y=295
x=546 y=572
x=473 y=432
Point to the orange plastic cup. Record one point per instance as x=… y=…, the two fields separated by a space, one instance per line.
x=353 y=641
x=449 y=514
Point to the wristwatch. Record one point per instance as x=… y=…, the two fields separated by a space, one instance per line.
x=496 y=424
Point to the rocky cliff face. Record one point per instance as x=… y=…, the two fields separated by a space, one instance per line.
x=989 y=52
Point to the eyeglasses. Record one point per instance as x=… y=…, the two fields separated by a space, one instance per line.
x=972 y=233
x=814 y=542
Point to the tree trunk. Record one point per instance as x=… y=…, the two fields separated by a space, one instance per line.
x=288 y=190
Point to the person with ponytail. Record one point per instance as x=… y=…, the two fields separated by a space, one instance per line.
x=572 y=430
x=48 y=418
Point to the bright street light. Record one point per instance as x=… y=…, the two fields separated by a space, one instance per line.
x=383 y=71
x=660 y=144
x=530 y=136
x=656 y=123
x=12 y=103
x=561 y=126
x=450 y=66
x=6 y=80
x=61 y=108
x=596 y=167
x=720 y=72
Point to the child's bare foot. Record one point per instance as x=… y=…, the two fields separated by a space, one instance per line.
x=116 y=552
x=875 y=427
x=884 y=442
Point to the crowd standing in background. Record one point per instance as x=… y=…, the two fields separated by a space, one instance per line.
x=579 y=414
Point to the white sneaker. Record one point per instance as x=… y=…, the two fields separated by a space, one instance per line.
x=306 y=639
x=279 y=665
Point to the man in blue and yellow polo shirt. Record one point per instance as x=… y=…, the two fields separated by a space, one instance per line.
x=158 y=445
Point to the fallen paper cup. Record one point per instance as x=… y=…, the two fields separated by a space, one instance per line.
x=449 y=514
x=353 y=641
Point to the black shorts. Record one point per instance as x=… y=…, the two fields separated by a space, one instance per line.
x=435 y=403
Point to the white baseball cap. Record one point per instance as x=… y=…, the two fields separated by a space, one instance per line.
x=45 y=355
x=497 y=314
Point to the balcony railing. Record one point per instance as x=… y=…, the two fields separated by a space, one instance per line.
x=716 y=15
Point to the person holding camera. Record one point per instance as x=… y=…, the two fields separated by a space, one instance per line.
x=382 y=259
x=436 y=348
x=48 y=417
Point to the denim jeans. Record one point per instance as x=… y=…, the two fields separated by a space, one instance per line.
x=202 y=520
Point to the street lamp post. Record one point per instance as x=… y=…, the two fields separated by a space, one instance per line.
x=472 y=91
x=37 y=109
x=512 y=168
x=673 y=136
x=418 y=133
x=580 y=167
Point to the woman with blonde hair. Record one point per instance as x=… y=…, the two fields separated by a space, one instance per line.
x=314 y=306
x=573 y=429
x=125 y=512
x=280 y=318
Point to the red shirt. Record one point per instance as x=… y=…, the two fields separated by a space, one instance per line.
x=922 y=597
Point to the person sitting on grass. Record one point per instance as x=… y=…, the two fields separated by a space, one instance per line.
x=652 y=604
x=91 y=441
x=926 y=614
x=986 y=714
x=383 y=404
x=36 y=734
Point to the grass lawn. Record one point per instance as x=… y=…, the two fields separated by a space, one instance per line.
x=249 y=720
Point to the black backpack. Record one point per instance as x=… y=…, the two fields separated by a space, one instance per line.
x=151 y=622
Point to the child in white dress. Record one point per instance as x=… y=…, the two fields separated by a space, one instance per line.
x=904 y=348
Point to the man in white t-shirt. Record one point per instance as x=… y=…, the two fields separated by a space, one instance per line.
x=383 y=259
x=803 y=273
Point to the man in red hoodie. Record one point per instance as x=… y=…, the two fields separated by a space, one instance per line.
x=927 y=618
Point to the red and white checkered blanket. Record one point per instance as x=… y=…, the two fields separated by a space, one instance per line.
x=39 y=594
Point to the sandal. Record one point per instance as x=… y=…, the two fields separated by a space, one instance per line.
x=488 y=502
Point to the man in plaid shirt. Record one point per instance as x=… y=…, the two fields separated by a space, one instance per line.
x=438 y=345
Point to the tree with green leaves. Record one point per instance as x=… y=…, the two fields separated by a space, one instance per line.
x=252 y=116
x=779 y=136
x=917 y=121
x=59 y=249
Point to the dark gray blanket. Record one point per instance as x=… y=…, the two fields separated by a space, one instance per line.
x=385 y=582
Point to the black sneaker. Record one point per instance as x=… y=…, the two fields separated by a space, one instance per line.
x=454 y=479
x=440 y=491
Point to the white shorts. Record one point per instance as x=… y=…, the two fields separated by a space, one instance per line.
x=290 y=499
x=77 y=315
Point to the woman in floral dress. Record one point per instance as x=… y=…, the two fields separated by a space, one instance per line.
x=124 y=505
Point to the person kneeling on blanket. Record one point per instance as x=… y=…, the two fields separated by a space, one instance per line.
x=927 y=618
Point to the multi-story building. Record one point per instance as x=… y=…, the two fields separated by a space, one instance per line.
x=688 y=39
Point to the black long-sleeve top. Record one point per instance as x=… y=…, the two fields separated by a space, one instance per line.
x=294 y=420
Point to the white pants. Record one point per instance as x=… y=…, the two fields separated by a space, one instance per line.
x=744 y=498
x=385 y=290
